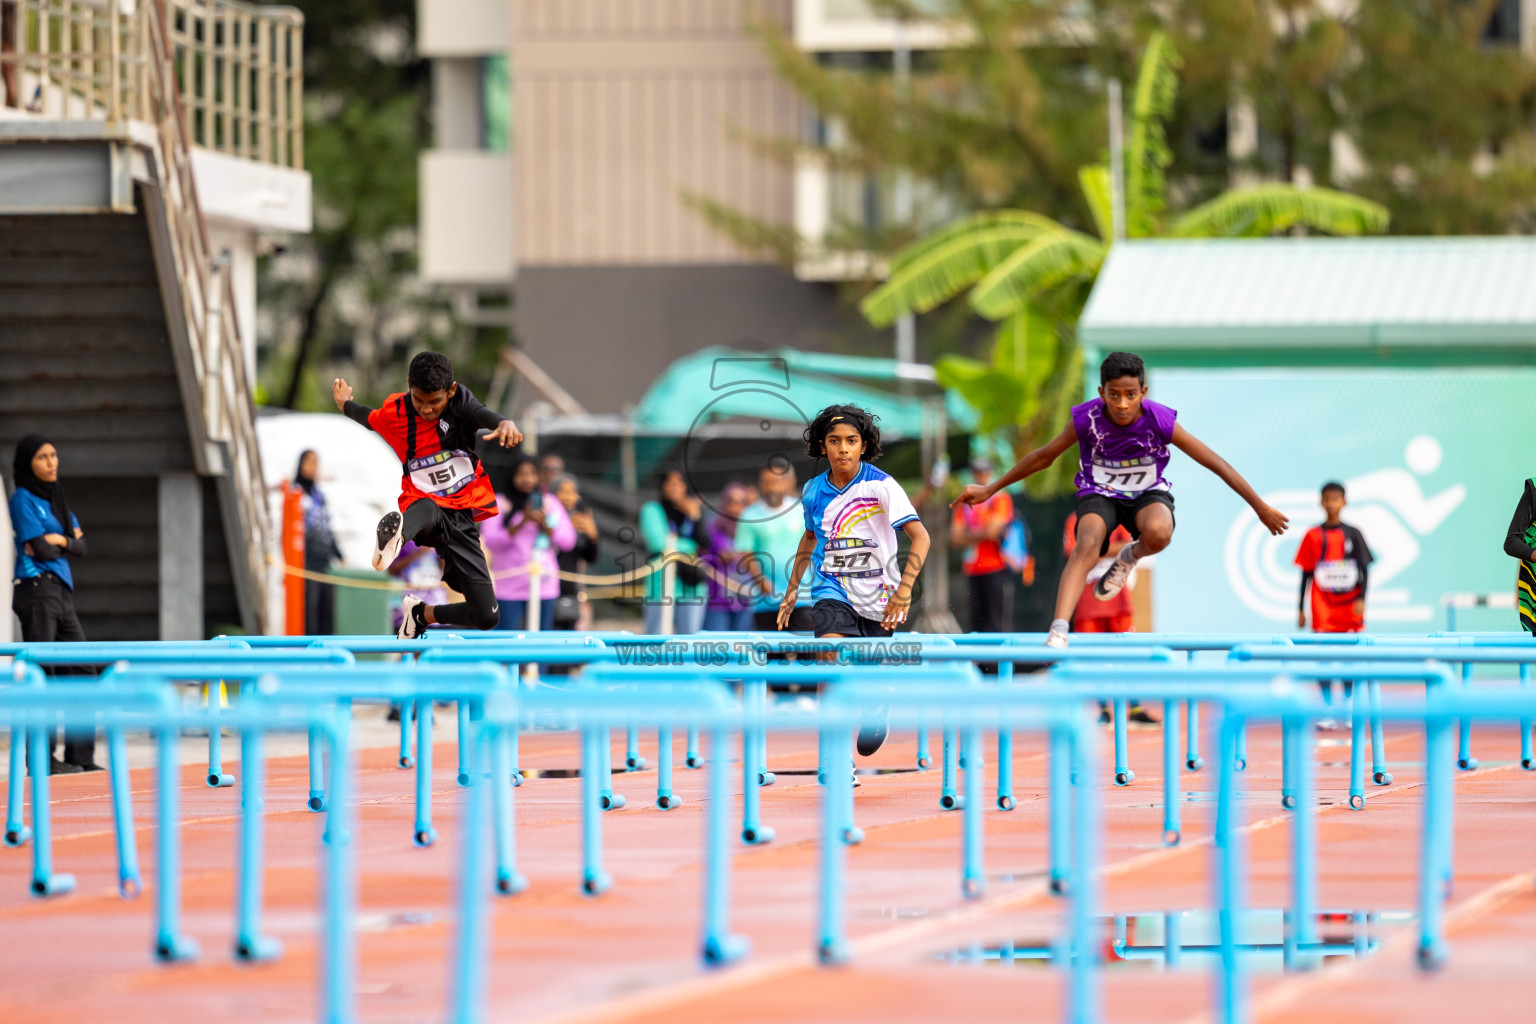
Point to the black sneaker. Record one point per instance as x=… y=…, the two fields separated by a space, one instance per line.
x=1141 y=716
x=89 y=766
x=872 y=731
x=1106 y=717
x=57 y=767
x=387 y=542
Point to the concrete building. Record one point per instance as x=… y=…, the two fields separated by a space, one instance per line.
x=618 y=110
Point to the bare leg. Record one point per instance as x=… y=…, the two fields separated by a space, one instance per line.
x=1091 y=531
x=1155 y=524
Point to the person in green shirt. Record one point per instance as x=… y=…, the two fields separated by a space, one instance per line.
x=677 y=515
x=767 y=536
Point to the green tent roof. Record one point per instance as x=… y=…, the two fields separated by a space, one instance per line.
x=1315 y=293
x=789 y=386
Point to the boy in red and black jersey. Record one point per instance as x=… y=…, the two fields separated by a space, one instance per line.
x=444 y=491
x=1333 y=559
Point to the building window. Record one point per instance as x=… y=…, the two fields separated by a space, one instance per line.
x=495 y=104
x=1503 y=27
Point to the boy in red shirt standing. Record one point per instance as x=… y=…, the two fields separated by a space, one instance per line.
x=444 y=491
x=979 y=529
x=1333 y=559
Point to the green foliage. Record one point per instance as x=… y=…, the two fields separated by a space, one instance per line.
x=1268 y=209
x=1438 y=114
x=935 y=269
x=1147 y=155
x=1034 y=269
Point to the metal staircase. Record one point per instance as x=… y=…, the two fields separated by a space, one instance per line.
x=118 y=333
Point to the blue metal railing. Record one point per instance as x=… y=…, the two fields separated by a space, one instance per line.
x=312 y=688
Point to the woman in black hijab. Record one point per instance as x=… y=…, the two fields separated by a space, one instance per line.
x=320 y=549
x=47 y=536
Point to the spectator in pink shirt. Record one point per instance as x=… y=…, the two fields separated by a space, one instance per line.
x=532 y=527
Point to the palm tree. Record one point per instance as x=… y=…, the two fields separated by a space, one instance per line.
x=1033 y=274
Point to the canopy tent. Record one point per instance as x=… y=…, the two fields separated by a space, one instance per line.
x=722 y=414
x=1317 y=301
x=785 y=386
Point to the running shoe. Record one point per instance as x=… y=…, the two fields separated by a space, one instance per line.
x=387 y=543
x=1106 y=717
x=413 y=620
x=1056 y=638
x=1115 y=577
x=873 y=726
x=1327 y=725
x=1139 y=715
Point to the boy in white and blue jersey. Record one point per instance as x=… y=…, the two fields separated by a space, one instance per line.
x=859 y=588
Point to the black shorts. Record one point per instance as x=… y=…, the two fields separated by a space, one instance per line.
x=454 y=535
x=1120 y=511
x=832 y=616
x=800 y=621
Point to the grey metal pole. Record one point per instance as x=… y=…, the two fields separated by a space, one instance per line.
x=1116 y=162
x=901 y=63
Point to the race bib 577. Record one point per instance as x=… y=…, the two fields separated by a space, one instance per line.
x=850 y=556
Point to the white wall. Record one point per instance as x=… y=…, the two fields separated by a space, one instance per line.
x=465 y=217
x=463 y=28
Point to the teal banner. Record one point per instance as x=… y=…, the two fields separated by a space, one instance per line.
x=1433 y=462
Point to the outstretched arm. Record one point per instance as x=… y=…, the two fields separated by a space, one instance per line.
x=341 y=394
x=502 y=430
x=1034 y=462
x=1196 y=449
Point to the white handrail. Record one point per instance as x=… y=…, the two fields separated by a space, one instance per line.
x=239 y=68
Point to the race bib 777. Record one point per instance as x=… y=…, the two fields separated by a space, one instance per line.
x=1129 y=477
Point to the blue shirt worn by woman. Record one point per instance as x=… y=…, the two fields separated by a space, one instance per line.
x=31 y=518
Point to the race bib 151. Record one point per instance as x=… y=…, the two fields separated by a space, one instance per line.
x=443 y=474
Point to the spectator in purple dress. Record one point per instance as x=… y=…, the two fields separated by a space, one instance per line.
x=729 y=608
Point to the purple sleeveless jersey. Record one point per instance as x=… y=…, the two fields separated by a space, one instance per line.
x=1122 y=462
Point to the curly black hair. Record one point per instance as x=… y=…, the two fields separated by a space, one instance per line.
x=859 y=419
x=1122 y=364
x=431 y=372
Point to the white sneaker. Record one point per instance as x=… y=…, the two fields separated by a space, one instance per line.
x=387 y=542
x=1055 y=638
x=1115 y=577
x=410 y=626
x=1327 y=725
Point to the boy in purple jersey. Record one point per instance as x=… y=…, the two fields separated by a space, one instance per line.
x=1123 y=443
